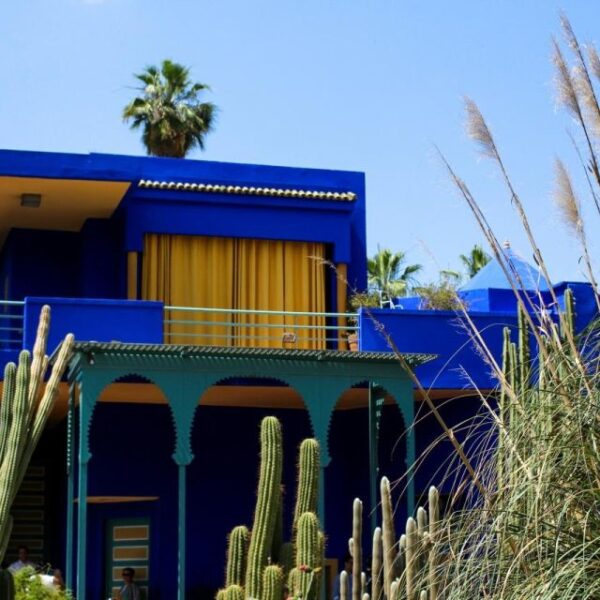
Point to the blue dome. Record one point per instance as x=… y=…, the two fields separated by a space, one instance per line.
x=522 y=274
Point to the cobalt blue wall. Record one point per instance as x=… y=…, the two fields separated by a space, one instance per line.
x=40 y=263
x=103 y=263
x=96 y=320
x=441 y=333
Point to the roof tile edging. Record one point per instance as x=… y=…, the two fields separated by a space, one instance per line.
x=247 y=190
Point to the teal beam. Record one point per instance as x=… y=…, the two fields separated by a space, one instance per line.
x=70 y=488
x=181 y=534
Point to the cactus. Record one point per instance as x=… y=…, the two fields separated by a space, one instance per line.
x=251 y=564
x=234 y=592
x=286 y=557
x=273 y=583
x=432 y=559
x=237 y=552
x=377 y=565
x=412 y=571
x=356 y=547
x=344 y=595
x=307 y=555
x=267 y=502
x=7 y=585
x=388 y=536
x=23 y=418
x=308 y=479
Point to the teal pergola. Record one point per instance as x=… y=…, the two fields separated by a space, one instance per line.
x=184 y=373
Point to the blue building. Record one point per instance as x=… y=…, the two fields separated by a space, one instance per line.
x=237 y=276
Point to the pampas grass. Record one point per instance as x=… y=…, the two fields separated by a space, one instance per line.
x=529 y=478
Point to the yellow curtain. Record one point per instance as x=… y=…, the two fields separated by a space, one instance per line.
x=305 y=292
x=249 y=274
x=259 y=286
x=191 y=271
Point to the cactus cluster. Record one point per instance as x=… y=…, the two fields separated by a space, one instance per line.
x=26 y=406
x=401 y=569
x=260 y=565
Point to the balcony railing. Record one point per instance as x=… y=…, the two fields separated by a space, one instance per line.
x=257 y=328
x=153 y=323
x=11 y=324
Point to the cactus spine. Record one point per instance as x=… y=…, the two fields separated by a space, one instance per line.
x=266 y=504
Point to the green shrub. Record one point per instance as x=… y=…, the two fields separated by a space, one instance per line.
x=29 y=586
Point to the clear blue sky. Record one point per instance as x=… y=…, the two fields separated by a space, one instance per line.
x=364 y=85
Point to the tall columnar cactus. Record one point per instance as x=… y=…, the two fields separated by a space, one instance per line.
x=412 y=574
x=237 y=553
x=273 y=583
x=307 y=555
x=7 y=585
x=309 y=463
x=388 y=535
x=300 y=562
x=356 y=548
x=265 y=513
x=23 y=415
x=377 y=565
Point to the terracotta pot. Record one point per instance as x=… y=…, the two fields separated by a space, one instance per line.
x=353 y=342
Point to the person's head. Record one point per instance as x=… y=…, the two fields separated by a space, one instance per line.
x=348 y=562
x=23 y=553
x=127 y=574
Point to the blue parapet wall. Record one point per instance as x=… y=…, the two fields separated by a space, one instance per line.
x=443 y=333
x=98 y=320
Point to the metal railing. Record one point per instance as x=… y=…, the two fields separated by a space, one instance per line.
x=258 y=328
x=11 y=324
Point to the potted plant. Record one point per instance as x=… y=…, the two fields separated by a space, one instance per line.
x=356 y=301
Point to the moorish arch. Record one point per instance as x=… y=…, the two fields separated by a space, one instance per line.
x=184 y=373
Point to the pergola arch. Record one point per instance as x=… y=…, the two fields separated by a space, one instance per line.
x=184 y=373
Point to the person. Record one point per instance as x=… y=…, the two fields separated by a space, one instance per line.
x=23 y=560
x=130 y=589
x=348 y=568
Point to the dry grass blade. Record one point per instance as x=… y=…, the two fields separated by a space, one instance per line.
x=566 y=200
x=478 y=130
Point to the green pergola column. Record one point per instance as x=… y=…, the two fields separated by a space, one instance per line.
x=70 y=485
x=182 y=394
x=402 y=392
x=90 y=387
x=320 y=395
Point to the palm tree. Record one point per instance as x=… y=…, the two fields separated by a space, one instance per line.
x=389 y=276
x=475 y=260
x=173 y=119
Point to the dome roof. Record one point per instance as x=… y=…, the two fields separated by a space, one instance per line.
x=523 y=275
